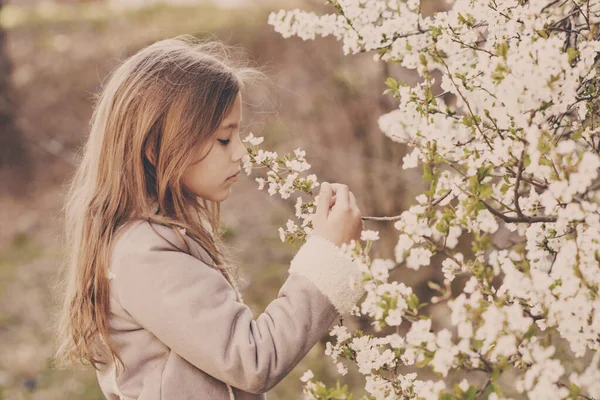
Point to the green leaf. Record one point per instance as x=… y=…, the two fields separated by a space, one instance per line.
x=467 y=121
x=392 y=83
x=577 y=135
x=442 y=227
x=556 y=283
x=502 y=50
x=436 y=32
x=321 y=391
x=490 y=389
x=413 y=302
x=470 y=393
x=545 y=105
x=499 y=73
x=553 y=78
x=462 y=77
x=572 y=54
x=427 y=175
x=545 y=161
x=434 y=286
x=468 y=21
x=424 y=362
x=486 y=191
x=496 y=374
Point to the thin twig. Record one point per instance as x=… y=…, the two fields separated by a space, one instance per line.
x=397 y=217
x=519 y=173
x=517 y=219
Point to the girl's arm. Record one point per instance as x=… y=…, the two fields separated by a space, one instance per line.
x=191 y=307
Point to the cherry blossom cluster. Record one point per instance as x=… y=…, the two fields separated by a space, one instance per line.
x=508 y=140
x=284 y=177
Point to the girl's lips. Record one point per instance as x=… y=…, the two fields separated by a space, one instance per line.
x=234 y=175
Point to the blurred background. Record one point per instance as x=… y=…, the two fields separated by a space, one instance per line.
x=53 y=59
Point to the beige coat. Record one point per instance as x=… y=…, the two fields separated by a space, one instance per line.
x=183 y=333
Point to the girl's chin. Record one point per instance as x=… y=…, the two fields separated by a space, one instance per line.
x=225 y=193
x=219 y=196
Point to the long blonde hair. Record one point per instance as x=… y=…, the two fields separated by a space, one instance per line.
x=156 y=108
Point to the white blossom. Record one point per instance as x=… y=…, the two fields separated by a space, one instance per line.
x=308 y=375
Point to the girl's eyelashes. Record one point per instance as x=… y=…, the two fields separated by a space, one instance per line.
x=225 y=142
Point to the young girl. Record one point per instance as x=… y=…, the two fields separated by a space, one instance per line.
x=149 y=295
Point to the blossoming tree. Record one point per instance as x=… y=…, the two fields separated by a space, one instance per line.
x=512 y=142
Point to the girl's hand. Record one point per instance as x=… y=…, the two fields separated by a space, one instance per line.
x=337 y=217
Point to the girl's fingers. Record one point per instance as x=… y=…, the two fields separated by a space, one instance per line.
x=324 y=201
x=341 y=192
x=353 y=203
x=355 y=206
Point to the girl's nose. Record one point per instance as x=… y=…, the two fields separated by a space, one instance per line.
x=240 y=150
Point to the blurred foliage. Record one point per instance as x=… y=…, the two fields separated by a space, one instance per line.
x=98 y=14
x=23 y=250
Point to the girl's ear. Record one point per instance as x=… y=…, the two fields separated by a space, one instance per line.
x=150 y=155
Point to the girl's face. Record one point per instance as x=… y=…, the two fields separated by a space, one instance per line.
x=210 y=178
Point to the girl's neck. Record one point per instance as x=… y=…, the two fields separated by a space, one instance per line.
x=205 y=223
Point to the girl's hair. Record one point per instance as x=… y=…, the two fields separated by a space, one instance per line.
x=158 y=107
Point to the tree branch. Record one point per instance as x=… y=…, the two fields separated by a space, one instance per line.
x=519 y=173
x=524 y=219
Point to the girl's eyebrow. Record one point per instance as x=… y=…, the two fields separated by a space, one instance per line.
x=232 y=125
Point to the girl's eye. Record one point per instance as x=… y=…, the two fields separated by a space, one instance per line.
x=224 y=141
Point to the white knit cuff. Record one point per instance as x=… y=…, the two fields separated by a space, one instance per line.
x=324 y=264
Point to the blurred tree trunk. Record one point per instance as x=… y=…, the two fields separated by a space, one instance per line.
x=15 y=169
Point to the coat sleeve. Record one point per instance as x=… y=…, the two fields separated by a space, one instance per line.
x=192 y=308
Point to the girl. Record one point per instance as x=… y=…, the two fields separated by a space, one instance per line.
x=149 y=295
